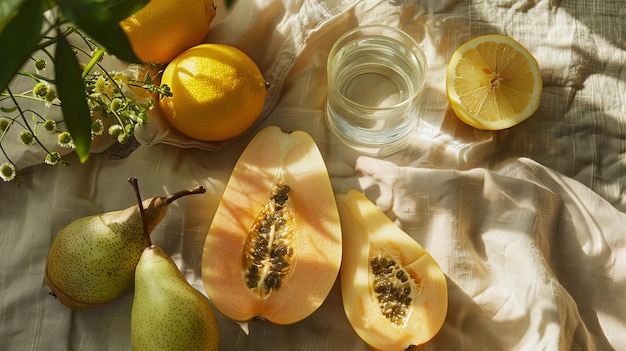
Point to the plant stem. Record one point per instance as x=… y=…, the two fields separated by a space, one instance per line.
x=22 y=96
x=142 y=211
x=195 y=190
x=21 y=112
x=45 y=44
x=35 y=76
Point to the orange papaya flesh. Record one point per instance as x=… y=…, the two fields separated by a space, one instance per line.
x=393 y=291
x=273 y=249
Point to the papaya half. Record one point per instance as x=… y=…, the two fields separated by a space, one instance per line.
x=273 y=249
x=394 y=293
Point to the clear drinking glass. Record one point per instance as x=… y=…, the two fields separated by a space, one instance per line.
x=375 y=75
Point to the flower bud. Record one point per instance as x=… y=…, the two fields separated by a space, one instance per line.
x=115 y=130
x=40 y=64
x=97 y=127
x=50 y=96
x=40 y=89
x=123 y=138
x=53 y=158
x=115 y=104
x=26 y=137
x=65 y=140
x=7 y=171
x=50 y=126
x=5 y=123
x=129 y=128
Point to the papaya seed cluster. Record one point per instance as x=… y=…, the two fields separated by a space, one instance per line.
x=393 y=287
x=269 y=247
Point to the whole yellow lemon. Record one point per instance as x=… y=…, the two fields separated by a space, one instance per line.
x=162 y=29
x=218 y=92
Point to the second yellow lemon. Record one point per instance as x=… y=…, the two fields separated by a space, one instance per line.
x=218 y=92
x=162 y=29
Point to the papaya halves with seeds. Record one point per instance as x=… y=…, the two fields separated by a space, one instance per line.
x=394 y=293
x=273 y=250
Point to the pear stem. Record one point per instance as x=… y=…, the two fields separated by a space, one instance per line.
x=142 y=211
x=195 y=190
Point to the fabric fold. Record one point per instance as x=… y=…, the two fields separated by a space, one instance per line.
x=524 y=245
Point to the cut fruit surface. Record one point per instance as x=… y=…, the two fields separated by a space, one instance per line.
x=493 y=82
x=394 y=293
x=273 y=250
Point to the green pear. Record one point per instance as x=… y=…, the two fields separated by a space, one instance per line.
x=92 y=260
x=168 y=313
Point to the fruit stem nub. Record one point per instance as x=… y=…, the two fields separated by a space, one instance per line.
x=142 y=211
x=195 y=190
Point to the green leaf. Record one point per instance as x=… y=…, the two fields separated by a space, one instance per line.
x=92 y=63
x=8 y=10
x=100 y=20
x=71 y=90
x=8 y=109
x=126 y=8
x=19 y=37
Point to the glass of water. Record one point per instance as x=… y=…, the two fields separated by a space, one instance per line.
x=375 y=75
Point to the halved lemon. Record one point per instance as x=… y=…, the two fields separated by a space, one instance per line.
x=493 y=82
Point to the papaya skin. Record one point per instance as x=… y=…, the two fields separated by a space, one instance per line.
x=273 y=158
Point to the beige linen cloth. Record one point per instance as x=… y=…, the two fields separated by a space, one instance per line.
x=528 y=224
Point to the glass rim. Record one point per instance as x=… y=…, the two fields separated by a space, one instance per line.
x=414 y=48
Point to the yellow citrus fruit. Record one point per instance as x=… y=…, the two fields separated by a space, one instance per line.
x=162 y=29
x=218 y=92
x=493 y=82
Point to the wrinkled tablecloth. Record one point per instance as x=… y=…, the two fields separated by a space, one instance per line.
x=528 y=224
